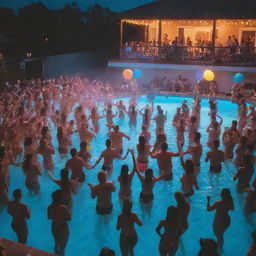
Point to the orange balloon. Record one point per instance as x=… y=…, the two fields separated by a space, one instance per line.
x=127 y=74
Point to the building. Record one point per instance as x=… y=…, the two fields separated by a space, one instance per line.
x=200 y=32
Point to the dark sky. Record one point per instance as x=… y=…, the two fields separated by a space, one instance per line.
x=115 y=5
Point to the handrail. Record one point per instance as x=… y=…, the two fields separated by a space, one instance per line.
x=185 y=54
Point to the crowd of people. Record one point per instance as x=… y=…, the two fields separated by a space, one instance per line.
x=27 y=108
x=182 y=49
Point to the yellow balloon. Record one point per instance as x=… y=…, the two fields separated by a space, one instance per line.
x=127 y=74
x=208 y=75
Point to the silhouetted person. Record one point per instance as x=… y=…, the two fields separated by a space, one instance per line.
x=19 y=212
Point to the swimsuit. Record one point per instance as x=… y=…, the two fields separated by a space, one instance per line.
x=104 y=211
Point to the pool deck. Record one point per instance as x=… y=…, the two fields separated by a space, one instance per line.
x=18 y=249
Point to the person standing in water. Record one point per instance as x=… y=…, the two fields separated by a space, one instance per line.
x=125 y=179
x=169 y=241
x=117 y=138
x=164 y=161
x=196 y=151
x=108 y=155
x=59 y=214
x=32 y=171
x=103 y=191
x=143 y=150
x=19 y=212
x=125 y=222
x=76 y=164
x=216 y=157
x=221 y=219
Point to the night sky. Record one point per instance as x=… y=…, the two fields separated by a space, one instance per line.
x=115 y=5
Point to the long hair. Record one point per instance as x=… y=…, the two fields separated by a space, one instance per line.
x=64 y=177
x=60 y=133
x=124 y=174
x=142 y=142
x=227 y=198
x=27 y=163
x=172 y=215
x=127 y=206
x=149 y=176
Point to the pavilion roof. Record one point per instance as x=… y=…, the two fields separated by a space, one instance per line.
x=194 y=9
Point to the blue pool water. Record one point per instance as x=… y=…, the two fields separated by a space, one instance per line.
x=90 y=232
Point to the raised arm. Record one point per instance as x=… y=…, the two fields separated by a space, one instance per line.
x=221 y=120
x=137 y=171
x=135 y=167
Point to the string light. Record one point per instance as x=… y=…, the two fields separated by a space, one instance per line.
x=237 y=22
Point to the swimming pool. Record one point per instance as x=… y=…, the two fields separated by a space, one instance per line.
x=90 y=232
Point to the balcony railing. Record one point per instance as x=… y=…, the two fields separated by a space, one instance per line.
x=191 y=54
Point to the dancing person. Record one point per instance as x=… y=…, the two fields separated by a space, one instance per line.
x=160 y=119
x=250 y=199
x=192 y=125
x=32 y=171
x=125 y=179
x=76 y=164
x=180 y=129
x=244 y=174
x=59 y=214
x=95 y=119
x=145 y=133
x=240 y=151
x=133 y=113
x=67 y=187
x=209 y=247
x=183 y=207
x=221 y=219
x=188 y=180
x=196 y=151
x=109 y=154
x=169 y=241
x=229 y=143
x=214 y=130
x=63 y=141
x=83 y=153
x=216 y=157
x=164 y=161
x=19 y=212
x=103 y=191
x=116 y=138
x=125 y=222
x=160 y=138
x=147 y=183
x=46 y=150
x=143 y=150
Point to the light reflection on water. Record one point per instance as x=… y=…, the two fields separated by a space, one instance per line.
x=90 y=232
